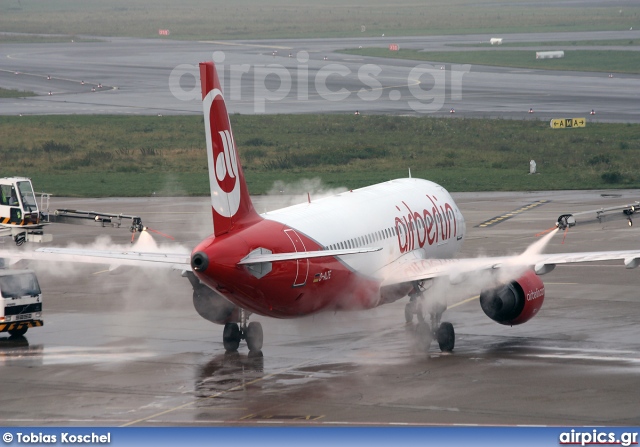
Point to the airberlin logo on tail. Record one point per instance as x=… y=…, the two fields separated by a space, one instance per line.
x=226 y=163
x=223 y=162
x=433 y=224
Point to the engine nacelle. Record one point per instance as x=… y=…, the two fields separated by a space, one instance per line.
x=214 y=307
x=516 y=302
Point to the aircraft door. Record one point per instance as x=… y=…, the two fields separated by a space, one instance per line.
x=302 y=265
x=10 y=211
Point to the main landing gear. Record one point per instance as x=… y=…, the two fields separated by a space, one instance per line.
x=443 y=332
x=234 y=333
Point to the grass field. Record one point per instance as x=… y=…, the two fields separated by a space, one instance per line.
x=138 y=156
x=578 y=60
x=256 y=19
x=4 y=93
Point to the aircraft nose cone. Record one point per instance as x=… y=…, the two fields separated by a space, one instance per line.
x=199 y=261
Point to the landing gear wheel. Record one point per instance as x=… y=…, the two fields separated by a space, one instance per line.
x=254 y=336
x=423 y=335
x=18 y=332
x=231 y=336
x=420 y=313
x=446 y=337
x=413 y=308
x=408 y=312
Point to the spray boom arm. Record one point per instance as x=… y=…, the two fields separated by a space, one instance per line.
x=600 y=215
x=79 y=217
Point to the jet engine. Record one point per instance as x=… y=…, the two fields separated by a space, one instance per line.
x=515 y=302
x=211 y=305
x=214 y=307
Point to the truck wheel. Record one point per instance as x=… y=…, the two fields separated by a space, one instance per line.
x=18 y=332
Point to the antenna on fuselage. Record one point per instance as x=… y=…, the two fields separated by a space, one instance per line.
x=409 y=172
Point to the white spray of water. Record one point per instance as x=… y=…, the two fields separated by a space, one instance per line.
x=131 y=287
x=286 y=194
x=473 y=282
x=461 y=279
x=537 y=247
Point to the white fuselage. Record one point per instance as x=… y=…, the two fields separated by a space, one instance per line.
x=401 y=216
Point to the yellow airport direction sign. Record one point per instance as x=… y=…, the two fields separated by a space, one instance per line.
x=563 y=123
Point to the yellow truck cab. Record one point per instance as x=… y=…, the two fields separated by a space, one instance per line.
x=20 y=301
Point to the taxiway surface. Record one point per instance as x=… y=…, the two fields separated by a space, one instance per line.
x=127 y=348
x=136 y=76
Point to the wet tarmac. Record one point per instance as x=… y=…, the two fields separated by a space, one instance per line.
x=127 y=348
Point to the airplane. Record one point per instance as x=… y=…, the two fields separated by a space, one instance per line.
x=356 y=250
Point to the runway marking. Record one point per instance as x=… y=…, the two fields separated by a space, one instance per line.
x=599 y=358
x=468 y=300
x=279 y=418
x=32 y=421
x=252 y=382
x=498 y=219
x=561 y=283
x=74 y=81
x=218 y=394
x=262 y=419
x=236 y=44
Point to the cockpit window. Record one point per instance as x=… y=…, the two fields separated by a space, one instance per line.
x=28 y=197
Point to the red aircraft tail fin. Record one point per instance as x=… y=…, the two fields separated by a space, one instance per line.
x=230 y=201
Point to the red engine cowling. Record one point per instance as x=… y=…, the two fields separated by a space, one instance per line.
x=516 y=302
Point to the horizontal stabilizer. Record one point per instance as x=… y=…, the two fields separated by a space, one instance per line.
x=275 y=257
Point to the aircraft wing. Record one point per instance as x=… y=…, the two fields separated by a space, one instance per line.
x=505 y=268
x=175 y=261
x=631 y=258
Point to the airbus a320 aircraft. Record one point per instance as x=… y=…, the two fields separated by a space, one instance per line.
x=356 y=250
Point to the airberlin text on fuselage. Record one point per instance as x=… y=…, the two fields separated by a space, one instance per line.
x=434 y=224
